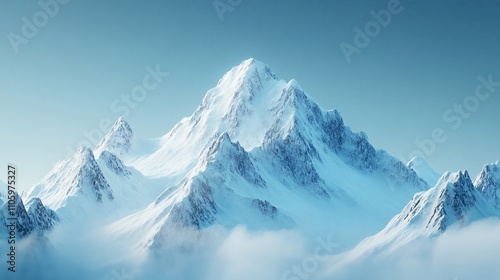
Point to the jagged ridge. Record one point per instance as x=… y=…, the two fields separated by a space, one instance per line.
x=488 y=183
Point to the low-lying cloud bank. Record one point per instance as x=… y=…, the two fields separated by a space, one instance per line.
x=468 y=253
x=471 y=253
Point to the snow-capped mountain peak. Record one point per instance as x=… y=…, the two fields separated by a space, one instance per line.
x=118 y=140
x=258 y=152
x=241 y=102
x=237 y=93
x=241 y=105
x=488 y=183
x=25 y=225
x=227 y=155
x=83 y=155
x=250 y=72
x=258 y=146
x=79 y=175
x=44 y=219
x=32 y=217
x=453 y=200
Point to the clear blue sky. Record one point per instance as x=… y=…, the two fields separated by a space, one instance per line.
x=396 y=89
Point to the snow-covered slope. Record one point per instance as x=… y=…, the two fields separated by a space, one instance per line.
x=79 y=176
x=234 y=106
x=488 y=183
x=119 y=139
x=84 y=188
x=454 y=201
x=257 y=152
x=424 y=170
x=132 y=191
x=255 y=108
x=260 y=152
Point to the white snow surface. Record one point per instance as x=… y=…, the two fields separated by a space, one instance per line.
x=488 y=183
x=453 y=202
x=248 y=143
x=424 y=170
x=260 y=153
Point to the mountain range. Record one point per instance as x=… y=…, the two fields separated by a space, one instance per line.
x=258 y=152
